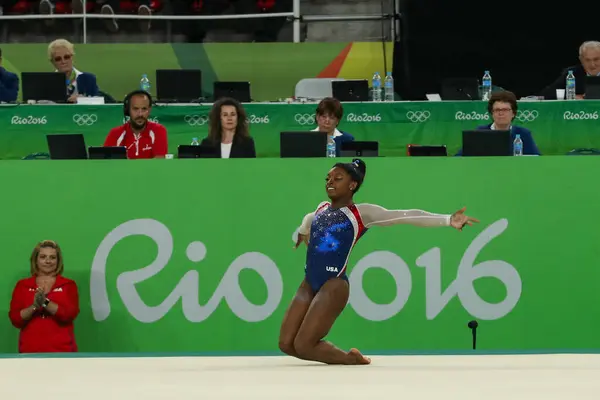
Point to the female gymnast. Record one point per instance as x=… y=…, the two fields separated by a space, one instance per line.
x=334 y=228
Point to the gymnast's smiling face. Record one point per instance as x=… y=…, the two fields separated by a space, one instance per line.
x=339 y=184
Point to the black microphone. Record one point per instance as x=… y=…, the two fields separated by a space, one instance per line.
x=461 y=90
x=473 y=326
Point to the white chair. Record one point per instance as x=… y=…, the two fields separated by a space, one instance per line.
x=315 y=88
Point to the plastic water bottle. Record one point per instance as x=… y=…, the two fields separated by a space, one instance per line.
x=195 y=142
x=376 y=87
x=518 y=146
x=388 y=85
x=570 y=87
x=145 y=83
x=486 y=82
x=330 y=147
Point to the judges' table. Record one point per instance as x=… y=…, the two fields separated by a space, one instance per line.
x=558 y=126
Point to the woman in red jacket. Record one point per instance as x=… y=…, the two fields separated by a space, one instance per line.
x=45 y=305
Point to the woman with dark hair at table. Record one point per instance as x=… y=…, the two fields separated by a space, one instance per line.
x=228 y=130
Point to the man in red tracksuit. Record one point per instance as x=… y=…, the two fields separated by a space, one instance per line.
x=141 y=138
x=43 y=332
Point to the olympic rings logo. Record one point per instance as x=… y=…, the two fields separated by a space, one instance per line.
x=304 y=119
x=196 y=120
x=527 y=115
x=418 y=116
x=85 y=119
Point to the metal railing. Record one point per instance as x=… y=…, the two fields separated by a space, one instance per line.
x=295 y=16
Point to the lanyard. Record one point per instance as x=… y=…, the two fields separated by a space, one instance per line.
x=136 y=138
x=71 y=83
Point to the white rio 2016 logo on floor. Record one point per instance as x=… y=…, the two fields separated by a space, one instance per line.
x=189 y=286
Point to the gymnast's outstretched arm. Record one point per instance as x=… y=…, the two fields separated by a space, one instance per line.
x=374 y=215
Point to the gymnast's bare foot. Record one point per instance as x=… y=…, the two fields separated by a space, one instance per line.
x=360 y=359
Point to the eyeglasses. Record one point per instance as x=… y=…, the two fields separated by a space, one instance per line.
x=66 y=57
x=502 y=110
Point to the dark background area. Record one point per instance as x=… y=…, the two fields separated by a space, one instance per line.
x=525 y=44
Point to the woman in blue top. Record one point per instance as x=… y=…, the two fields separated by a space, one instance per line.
x=330 y=233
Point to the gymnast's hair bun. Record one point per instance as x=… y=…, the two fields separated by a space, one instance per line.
x=360 y=166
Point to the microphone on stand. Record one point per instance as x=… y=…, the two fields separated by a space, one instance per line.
x=473 y=326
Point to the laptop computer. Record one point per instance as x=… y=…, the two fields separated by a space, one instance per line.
x=239 y=91
x=351 y=90
x=44 y=86
x=592 y=87
x=107 y=153
x=178 y=85
x=359 y=149
x=69 y=146
x=415 y=150
x=302 y=144
x=486 y=143
x=200 y=151
x=460 y=88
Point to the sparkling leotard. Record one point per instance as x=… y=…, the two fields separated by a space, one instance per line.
x=334 y=232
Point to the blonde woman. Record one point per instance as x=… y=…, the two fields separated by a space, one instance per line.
x=61 y=53
x=44 y=306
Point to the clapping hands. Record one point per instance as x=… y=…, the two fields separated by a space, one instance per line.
x=39 y=298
